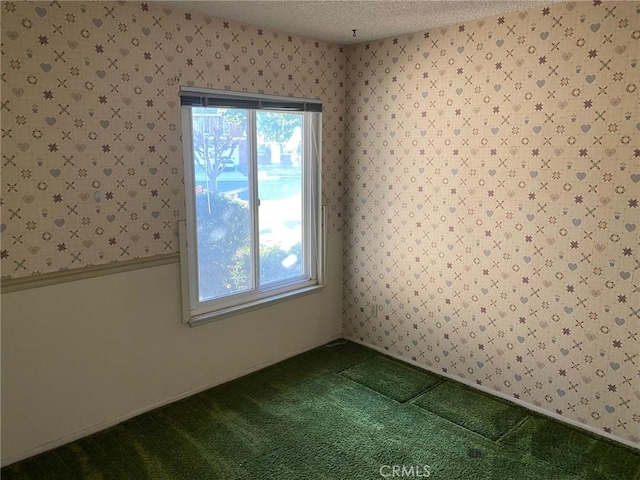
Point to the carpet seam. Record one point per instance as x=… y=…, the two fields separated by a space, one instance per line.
x=440 y=380
x=511 y=447
x=368 y=388
x=397 y=362
x=525 y=452
x=516 y=426
x=563 y=467
x=371 y=389
x=359 y=363
x=429 y=388
x=452 y=422
x=299 y=423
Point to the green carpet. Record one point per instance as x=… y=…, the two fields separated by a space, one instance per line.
x=574 y=450
x=489 y=416
x=391 y=378
x=303 y=419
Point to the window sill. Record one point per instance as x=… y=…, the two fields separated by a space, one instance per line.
x=250 y=306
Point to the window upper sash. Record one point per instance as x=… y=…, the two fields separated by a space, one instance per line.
x=195 y=97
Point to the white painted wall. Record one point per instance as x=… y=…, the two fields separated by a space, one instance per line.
x=81 y=356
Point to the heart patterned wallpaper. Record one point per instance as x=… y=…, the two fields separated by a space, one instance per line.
x=491 y=208
x=91 y=147
x=492 y=176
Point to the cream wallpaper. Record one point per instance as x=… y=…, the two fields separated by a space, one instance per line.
x=91 y=148
x=492 y=205
x=492 y=176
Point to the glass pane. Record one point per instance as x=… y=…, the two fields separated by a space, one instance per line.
x=279 y=143
x=221 y=159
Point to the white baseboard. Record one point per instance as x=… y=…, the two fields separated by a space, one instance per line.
x=504 y=396
x=115 y=421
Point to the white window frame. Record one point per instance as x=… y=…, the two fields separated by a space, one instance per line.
x=196 y=312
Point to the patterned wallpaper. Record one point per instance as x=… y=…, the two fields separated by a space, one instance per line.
x=491 y=210
x=91 y=148
x=492 y=176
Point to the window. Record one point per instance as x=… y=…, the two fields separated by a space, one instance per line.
x=253 y=228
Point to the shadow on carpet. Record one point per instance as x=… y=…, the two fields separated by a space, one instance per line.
x=333 y=413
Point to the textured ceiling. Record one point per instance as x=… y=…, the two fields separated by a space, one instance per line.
x=333 y=21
